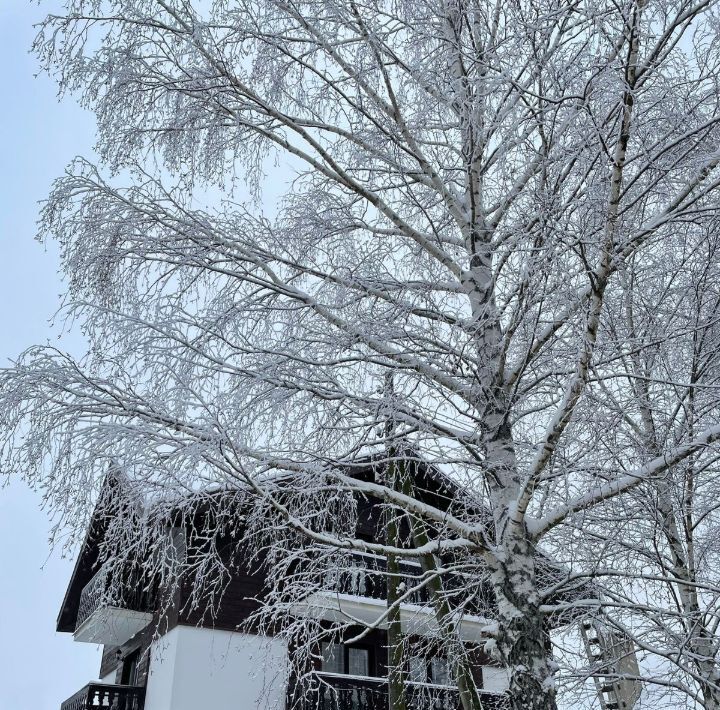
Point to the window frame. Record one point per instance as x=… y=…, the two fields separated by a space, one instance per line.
x=368 y=649
x=425 y=664
x=130 y=671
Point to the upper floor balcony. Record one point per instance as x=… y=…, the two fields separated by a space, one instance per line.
x=106 y=616
x=101 y=695
x=359 y=591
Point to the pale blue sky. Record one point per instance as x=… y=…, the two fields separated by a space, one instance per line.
x=39 y=136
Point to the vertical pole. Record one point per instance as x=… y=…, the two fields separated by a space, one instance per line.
x=469 y=696
x=396 y=672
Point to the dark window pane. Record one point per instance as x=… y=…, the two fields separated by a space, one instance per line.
x=332 y=658
x=358 y=661
x=417 y=669
x=440 y=671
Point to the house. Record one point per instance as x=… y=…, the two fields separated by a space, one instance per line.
x=161 y=654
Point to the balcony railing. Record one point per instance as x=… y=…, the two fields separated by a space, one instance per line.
x=366 y=576
x=344 y=692
x=111 y=611
x=95 y=696
x=96 y=594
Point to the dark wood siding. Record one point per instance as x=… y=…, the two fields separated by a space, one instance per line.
x=238 y=602
x=113 y=657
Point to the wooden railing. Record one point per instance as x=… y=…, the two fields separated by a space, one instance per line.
x=344 y=692
x=96 y=593
x=95 y=696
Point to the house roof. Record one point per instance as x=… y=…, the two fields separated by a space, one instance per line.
x=111 y=494
x=436 y=487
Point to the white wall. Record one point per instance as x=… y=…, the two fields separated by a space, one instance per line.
x=193 y=668
x=110 y=677
x=495 y=680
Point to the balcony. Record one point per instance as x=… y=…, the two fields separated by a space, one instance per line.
x=359 y=591
x=109 y=620
x=342 y=692
x=366 y=577
x=95 y=696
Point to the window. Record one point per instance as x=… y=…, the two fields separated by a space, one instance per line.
x=440 y=671
x=434 y=670
x=358 y=661
x=417 y=670
x=332 y=658
x=129 y=675
x=348 y=660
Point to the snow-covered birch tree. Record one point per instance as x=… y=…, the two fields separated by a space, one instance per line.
x=480 y=189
